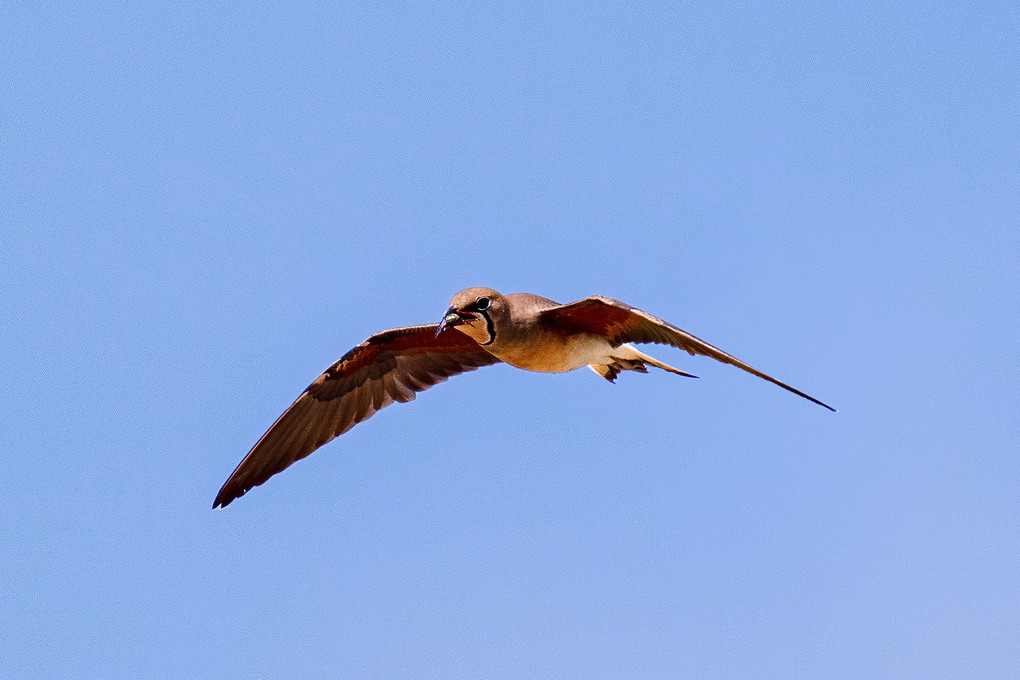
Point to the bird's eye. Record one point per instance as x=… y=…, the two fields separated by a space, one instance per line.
x=483 y=303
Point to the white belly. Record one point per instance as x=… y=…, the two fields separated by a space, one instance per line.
x=588 y=349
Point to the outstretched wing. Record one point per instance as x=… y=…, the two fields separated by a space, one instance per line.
x=390 y=366
x=620 y=323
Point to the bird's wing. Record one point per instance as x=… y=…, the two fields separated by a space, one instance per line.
x=620 y=323
x=390 y=366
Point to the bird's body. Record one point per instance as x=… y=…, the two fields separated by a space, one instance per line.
x=526 y=343
x=526 y=339
x=481 y=327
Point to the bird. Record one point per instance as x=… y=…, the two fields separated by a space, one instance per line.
x=480 y=327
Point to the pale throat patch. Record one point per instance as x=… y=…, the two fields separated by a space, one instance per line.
x=476 y=329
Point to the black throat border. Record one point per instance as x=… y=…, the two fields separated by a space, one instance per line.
x=488 y=326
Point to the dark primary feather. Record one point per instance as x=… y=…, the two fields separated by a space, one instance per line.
x=622 y=323
x=390 y=366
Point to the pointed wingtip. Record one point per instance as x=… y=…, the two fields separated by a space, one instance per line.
x=222 y=500
x=820 y=403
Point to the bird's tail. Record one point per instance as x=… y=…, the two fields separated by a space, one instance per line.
x=627 y=358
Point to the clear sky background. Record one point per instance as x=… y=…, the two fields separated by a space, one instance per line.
x=202 y=206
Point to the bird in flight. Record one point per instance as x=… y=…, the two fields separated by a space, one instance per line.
x=480 y=327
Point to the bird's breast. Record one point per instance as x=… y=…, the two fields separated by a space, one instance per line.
x=554 y=353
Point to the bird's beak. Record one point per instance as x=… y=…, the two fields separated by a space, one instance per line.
x=451 y=319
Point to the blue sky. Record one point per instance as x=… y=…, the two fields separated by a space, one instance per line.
x=203 y=206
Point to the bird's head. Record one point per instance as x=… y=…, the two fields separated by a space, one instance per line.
x=475 y=312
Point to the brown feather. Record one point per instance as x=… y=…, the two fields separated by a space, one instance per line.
x=389 y=366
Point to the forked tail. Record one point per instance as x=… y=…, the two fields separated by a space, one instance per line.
x=627 y=358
